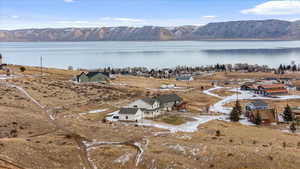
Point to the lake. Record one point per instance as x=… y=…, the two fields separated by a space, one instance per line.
x=149 y=54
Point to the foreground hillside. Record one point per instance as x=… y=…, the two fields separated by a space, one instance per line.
x=235 y=30
x=44 y=124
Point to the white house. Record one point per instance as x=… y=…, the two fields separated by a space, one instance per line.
x=149 y=107
x=130 y=114
x=169 y=86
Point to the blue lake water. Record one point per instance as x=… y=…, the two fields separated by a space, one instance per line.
x=150 y=54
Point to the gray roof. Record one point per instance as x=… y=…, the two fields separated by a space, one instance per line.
x=128 y=110
x=183 y=78
x=148 y=100
x=91 y=74
x=259 y=103
x=270 y=78
x=167 y=98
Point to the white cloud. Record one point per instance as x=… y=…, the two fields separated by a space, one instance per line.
x=72 y=22
x=127 y=20
x=69 y=1
x=294 y=19
x=278 y=7
x=15 y=17
x=209 y=17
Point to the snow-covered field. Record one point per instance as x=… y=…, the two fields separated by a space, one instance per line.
x=190 y=126
x=208 y=91
x=243 y=95
x=4 y=77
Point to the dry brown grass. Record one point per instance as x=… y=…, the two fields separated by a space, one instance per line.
x=237 y=147
x=223 y=92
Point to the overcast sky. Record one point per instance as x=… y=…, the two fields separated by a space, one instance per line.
x=19 y=14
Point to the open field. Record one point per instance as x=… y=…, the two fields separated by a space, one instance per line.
x=64 y=128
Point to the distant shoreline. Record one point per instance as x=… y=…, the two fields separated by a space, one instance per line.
x=207 y=40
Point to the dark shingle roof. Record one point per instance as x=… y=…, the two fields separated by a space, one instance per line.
x=150 y=101
x=91 y=74
x=168 y=98
x=128 y=110
x=270 y=78
x=259 y=103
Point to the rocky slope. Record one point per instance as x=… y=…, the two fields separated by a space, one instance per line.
x=233 y=30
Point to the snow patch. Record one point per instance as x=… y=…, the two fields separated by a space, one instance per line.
x=123 y=159
x=190 y=126
x=94 y=111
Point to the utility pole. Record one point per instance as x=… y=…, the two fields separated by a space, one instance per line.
x=237 y=94
x=41 y=62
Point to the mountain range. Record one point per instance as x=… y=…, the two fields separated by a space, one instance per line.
x=232 y=30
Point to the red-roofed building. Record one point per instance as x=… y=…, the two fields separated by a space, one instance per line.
x=272 y=89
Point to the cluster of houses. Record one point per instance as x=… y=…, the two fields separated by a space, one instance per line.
x=185 y=72
x=150 y=107
x=104 y=77
x=270 y=86
x=268 y=115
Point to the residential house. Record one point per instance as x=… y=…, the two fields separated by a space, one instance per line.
x=130 y=114
x=271 y=89
x=184 y=78
x=297 y=87
x=149 y=107
x=287 y=81
x=267 y=116
x=167 y=86
x=169 y=101
x=254 y=106
x=91 y=77
x=247 y=86
x=291 y=87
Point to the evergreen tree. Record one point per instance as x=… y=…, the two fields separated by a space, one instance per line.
x=236 y=112
x=238 y=107
x=294 y=68
x=287 y=114
x=257 y=120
